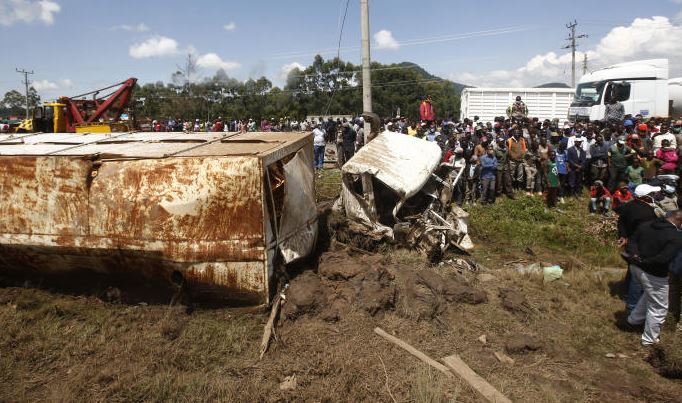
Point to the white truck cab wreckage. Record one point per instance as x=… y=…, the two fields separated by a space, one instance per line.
x=396 y=187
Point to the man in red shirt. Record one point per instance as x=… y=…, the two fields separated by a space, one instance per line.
x=599 y=194
x=426 y=111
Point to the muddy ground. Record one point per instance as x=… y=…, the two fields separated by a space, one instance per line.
x=559 y=335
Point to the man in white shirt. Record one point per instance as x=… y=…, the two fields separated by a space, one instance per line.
x=664 y=134
x=319 y=145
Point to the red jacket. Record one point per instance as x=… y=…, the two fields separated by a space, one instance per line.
x=426 y=111
x=597 y=193
x=620 y=197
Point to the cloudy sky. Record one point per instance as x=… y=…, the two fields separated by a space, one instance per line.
x=78 y=45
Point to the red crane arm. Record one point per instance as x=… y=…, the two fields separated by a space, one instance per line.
x=80 y=111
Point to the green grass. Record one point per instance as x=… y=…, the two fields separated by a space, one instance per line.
x=524 y=223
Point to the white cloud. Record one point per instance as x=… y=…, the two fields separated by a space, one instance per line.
x=287 y=68
x=677 y=18
x=45 y=85
x=157 y=46
x=131 y=28
x=231 y=26
x=28 y=11
x=384 y=40
x=213 y=61
x=644 y=38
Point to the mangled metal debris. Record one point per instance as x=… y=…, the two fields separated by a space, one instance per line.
x=214 y=211
x=396 y=187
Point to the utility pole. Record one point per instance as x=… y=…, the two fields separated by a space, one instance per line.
x=26 y=83
x=584 y=63
x=572 y=45
x=366 y=75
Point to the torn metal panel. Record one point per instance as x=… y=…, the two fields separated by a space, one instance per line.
x=397 y=187
x=403 y=163
x=298 y=228
x=157 y=204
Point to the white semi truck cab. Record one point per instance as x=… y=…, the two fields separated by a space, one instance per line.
x=641 y=86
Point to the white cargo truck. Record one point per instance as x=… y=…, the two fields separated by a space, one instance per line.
x=642 y=87
x=488 y=103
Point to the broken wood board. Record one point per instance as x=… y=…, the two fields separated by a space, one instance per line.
x=423 y=357
x=459 y=367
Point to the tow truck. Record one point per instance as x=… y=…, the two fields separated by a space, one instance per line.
x=79 y=115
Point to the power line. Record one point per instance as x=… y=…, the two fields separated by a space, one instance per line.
x=572 y=45
x=26 y=83
x=338 y=52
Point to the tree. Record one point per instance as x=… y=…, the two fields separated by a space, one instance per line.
x=14 y=102
x=325 y=87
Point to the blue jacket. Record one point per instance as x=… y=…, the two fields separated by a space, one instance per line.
x=488 y=167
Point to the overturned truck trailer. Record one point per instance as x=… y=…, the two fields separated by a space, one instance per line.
x=216 y=212
x=398 y=188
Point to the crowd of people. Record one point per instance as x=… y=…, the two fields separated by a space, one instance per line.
x=629 y=165
x=229 y=125
x=513 y=154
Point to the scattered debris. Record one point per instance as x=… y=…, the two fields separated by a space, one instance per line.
x=503 y=358
x=515 y=302
x=552 y=273
x=270 y=325
x=535 y=268
x=521 y=344
x=483 y=340
x=427 y=293
x=610 y=355
x=289 y=383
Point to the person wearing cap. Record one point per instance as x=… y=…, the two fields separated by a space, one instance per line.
x=619 y=154
x=630 y=216
x=489 y=165
x=576 y=159
x=503 y=181
x=599 y=196
x=650 y=251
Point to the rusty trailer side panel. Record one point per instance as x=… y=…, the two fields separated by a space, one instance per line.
x=198 y=211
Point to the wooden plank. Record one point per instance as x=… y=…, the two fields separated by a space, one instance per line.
x=486 y=390
x=423 y=357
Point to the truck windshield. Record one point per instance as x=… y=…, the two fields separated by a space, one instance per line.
x=588 y=94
